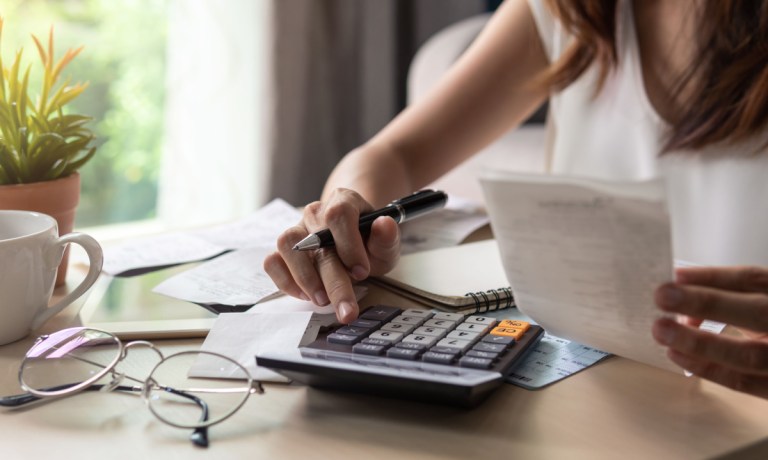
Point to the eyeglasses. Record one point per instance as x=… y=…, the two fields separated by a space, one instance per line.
x=77 y=359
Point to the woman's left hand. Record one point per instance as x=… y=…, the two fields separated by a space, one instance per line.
x=737 y=296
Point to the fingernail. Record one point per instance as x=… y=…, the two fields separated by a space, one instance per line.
x=346 y=311
x=665 y=333
x=359 y=272
x=321 y=298
x=671 y=296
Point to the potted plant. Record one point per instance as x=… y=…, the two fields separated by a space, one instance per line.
x=42 y=145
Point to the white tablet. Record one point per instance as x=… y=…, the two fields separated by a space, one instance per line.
x=127 y=307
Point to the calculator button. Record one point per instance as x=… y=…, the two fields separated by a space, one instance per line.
x=463 y=335
x=499 y=339
x=433 y=331
x=491 y=347
x=508 y=332
x=366 y=323
x=480 y=320
x=482 y=354
x=403 y=353
x=427 y=340
x=420 y=313
x=411 y=345
x=441 y=349
x=398 y=327
x=343 y=339
x=366 y=349
x=477 y=363
x=438 y=358
x=472 y=327
x=457 y=344
x=350 y=330
x=515 y=324
x=389 y=336
x=380 y=313
x=408 y=319
x=443 y=323
x=448 y=316
x=371 y=341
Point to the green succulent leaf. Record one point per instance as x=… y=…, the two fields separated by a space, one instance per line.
x=9 y=166
x=75 y=165
x=39 y=141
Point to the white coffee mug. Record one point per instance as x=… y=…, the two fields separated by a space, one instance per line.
x=30 y=252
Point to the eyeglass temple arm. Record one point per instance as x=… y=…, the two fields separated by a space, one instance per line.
x=17 y=400
x=26 y=398
x=199 y=436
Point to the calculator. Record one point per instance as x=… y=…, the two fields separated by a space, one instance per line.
x=417 y=354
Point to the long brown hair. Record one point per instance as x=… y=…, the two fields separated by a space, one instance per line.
x=729 y=101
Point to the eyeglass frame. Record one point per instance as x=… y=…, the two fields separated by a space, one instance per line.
x=199 y=436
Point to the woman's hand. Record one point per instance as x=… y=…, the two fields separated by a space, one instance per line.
x=737 y=296
x=326 y=275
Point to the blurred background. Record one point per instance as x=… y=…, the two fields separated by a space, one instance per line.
x=207 y=109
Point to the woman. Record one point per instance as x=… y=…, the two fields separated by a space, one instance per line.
x=636 y=90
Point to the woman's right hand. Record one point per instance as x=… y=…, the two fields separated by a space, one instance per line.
x=325 y=276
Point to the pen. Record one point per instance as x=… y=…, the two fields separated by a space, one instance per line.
x=406 y=208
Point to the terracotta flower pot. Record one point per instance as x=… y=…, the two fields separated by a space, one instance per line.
x=57 y=198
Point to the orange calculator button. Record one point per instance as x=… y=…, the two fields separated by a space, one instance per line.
x=515 y=324
x=513 y=332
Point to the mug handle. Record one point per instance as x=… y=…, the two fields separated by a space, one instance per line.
x=96 y=258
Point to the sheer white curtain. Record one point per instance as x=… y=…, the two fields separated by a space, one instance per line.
x=214 y=165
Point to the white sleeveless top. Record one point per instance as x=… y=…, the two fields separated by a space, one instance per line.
x=718 y=203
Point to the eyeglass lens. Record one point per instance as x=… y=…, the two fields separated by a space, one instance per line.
x=63 y=361
x=175 y=398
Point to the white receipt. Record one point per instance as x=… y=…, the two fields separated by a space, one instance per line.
x=278 y=325
x=241 y=336
x=443 y=228
x=585 y=257
x=157 y=251
x=259 y=229
x=236 y=278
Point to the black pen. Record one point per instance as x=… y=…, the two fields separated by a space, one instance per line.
x=407 y=208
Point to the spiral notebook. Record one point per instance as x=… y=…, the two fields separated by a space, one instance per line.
x=467 y=278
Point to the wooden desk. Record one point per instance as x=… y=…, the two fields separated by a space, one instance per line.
x=617 y=409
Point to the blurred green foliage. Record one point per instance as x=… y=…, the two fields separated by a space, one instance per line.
x=124 y=62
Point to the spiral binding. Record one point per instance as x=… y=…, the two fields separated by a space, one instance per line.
x=484 y=305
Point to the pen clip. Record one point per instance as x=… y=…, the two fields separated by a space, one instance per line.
x=412 y=196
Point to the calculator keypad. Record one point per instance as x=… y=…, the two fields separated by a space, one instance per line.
x=411 y=353
x=473 y=341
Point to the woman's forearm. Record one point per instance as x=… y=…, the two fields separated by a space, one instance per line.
x=375 y=172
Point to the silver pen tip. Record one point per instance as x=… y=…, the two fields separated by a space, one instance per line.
x=308 y=243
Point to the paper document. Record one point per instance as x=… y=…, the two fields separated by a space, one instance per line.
x=280 y=324
x=551 y=360
x=259 y=229
x=554 y=359
x=584 y=257
x=445 y=227
x=241 y=336
x=157 y=252
x=236 y=278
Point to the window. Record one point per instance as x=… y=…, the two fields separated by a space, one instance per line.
x=175 y=88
